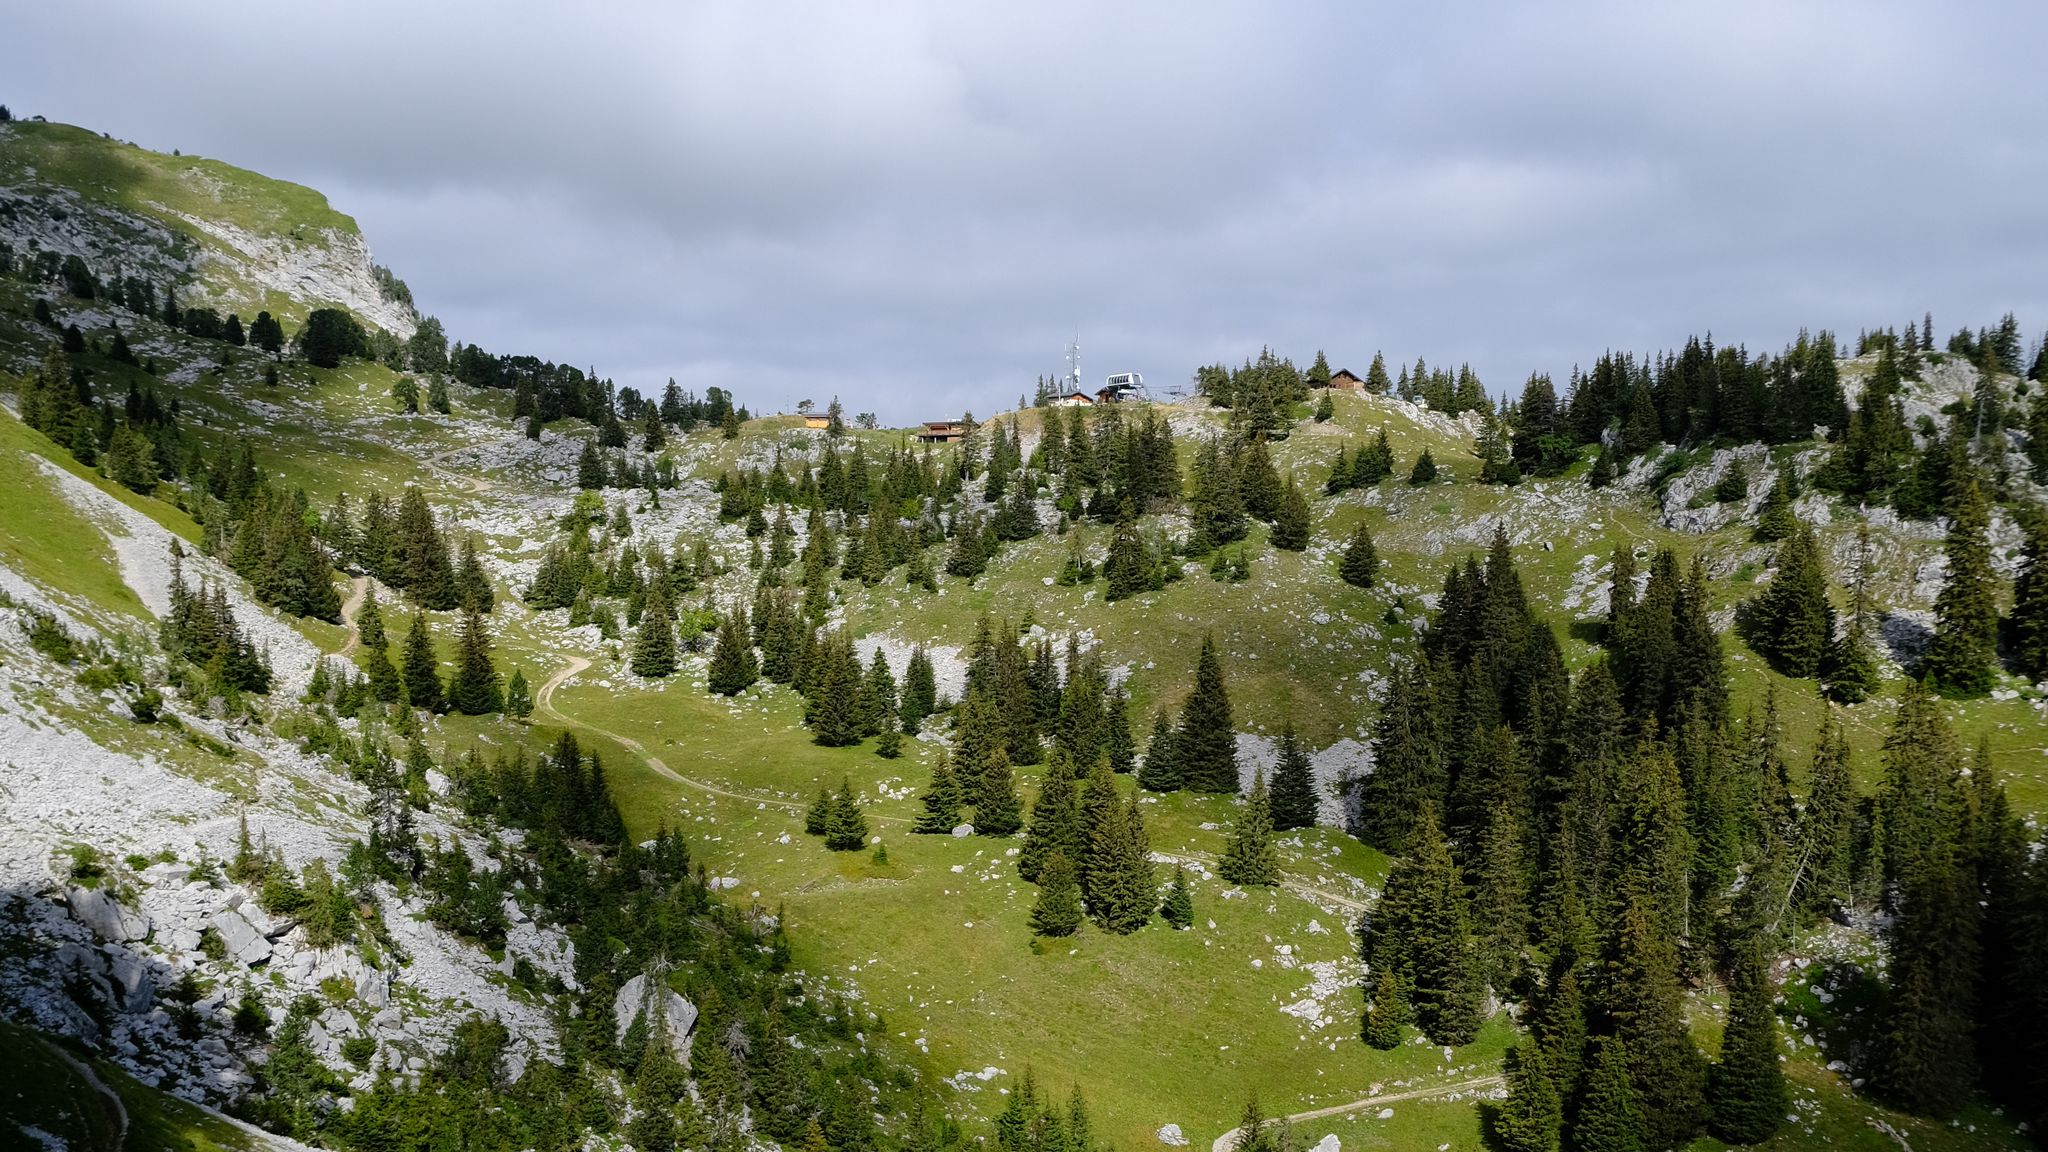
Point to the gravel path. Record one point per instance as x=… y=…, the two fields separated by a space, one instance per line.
x=1228 y=1141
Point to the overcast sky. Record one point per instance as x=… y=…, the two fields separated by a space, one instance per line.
x=916 y=206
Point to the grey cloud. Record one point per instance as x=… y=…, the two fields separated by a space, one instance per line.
x=915 y=205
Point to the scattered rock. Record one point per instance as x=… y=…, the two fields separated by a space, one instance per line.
x=1171 y=1136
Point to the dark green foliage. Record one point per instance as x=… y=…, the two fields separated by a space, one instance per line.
x=1960 y=659
x=1775 y=520
x=421 y=668
x=1791 y=624
x=1420 y=931
x=329 y=335
x=1645 y=1004
x=1055 y=821
x=1161 y=770
x=654 y=648
x=1120 y=887
x=734 y=667
x=1822 y=883
x=474 y=689
x=920 y=691
x=997 y=811
x=1386 y=1010
x=846 y=826
x=518 y=696
x=1058 y=910
x=2026 y=629
x=1178 y=909
x=1361 y=563
x=1532 y=1117
x=1205 y=744
x=1291 y=519
x=941 y=801
x=1294 y=786
x=1250 y=859
x=1409 y=769
x=1746 y=1094
x=1734 y=483
x=1610 y=1118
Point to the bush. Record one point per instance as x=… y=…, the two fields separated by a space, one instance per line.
x=48 y=637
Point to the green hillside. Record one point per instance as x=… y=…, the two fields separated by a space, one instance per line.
x=930 y=934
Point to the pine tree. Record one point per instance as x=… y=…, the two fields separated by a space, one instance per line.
x=941 y=801
x=474 y=689
x=1326 y=409
x=1294 y=787
x=1250 y=858
x=1645 y=1003
x=1055 y=822
x=518 y=696
x=1128 y=569
x=1610 y=1118
x=1849 y=670
x=1791 y=622
x=1422 y=929
x=1386 y=1012
x=846 y=826
x=1205 y=745
x=1959 y=660
x=1178 y=909
x=733 y=665
x=1058 y=911
x=1361 y=563
x=1122 y=891
x=997 y=811
x=1291 y=519
x=1822 y=882
x=2027 y=627
x=1500 y=899
x=818 y=817
x=1424 y=471
x=1531 y=1119
x=1122 y=751
x=422 y=670
x=1925 y=1057
x=654 y=648
x=1776 y=520
x=920 y=691
x=1746 y=1094
x=1161 y=770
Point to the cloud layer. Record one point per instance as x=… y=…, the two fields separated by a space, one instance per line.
x=915 y=206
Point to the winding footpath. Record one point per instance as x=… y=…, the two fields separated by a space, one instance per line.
x=358 y=589
x=1228 y=1141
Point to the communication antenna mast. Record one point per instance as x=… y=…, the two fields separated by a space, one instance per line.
x=1074 y=364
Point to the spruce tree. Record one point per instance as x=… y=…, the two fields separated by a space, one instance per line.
x=1161 y=770
x=1609 y=1117
x=1825 y=875
x=1424 y=471
x=1849 y=670
x=1361 y=563
x=1925 y=1059
x=1422 y=927
x=1291 y=519
x=1055 y=821
x=1531 y=1119
x=1123 y=890
x=474 y=689
x=846 y=826
x=997 y=811
x=1646 y=1006
x=920 y=691
x=1058 y=910
x=1746 y=1094
x=654 y=648
x=941 y=801
x=422 y=671
x=1959 y=660
x=1122 y=751
x=1294 y=786
x=1205 y=745
x=1775 y=520
x=518 y=696
x=2027 y=628
x=1791 y=622
x=818 y=817
x=1250 y=858
x=1386 y=1011
x=1178 y=909
x=1500 y=899
x=733 y=665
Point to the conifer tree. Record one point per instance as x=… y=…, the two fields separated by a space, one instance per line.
x=422 y=670
x=1161 y=770
x=1500 y=898
x=1746 y=1094
x=1326 y=409
x=1294 y=786
x=1205 y=745
x=2027 y=628
x=1610 y=1118
x=1250 y=858
x=1128 y=569
x=997 y=811
x=846 y=826
x=1178 y=909
x=1055 y=821
x=1531 y=1119
x=818 y=816
x=1122 y=751
x=1849 y=670
x=1386 y=1011
x=920 y=691
x=835 y=706
x=941 y=800
x=1361 y=563
x=1925 y=1059
x=733 y=665
x=1058 y=910
x=518 y=696
x=1422 y=930
x=1823 y=880
x=1123 y=891
x=1791 y=622
x=1424 y=471
x=654 y=648
x=474 y=689
x=1645 y=1004
x=1776 y=520
x=1959 y=660
x=1291 y=519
